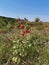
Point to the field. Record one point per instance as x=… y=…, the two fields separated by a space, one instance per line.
x=23 y=42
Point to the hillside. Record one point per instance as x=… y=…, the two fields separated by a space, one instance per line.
x=23 y=42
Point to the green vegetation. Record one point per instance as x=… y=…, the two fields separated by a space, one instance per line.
x=37 y=20
x=23 y=42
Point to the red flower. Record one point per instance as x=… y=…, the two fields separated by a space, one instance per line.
x=27 y=31
x=23 y=34
x=21 y=26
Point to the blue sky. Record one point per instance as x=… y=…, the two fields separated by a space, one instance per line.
x=25 y=8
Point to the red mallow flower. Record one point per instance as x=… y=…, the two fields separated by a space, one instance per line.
x=27 y=31
x=21 y=26
x=23 y=34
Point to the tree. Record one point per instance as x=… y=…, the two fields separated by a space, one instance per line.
x=37 y=20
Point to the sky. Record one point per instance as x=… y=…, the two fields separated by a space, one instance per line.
x=29 y=9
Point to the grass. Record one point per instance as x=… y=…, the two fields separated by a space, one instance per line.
x=29 y=49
